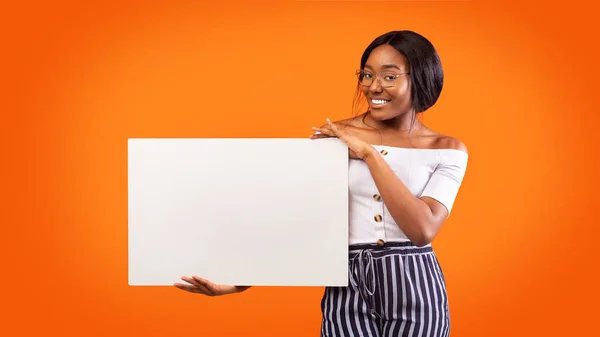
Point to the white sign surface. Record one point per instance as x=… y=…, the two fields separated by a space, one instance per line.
x=270 y=212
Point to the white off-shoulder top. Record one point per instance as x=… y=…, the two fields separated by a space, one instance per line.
x=435 y=173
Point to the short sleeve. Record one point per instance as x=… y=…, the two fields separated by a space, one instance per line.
x=446 y=179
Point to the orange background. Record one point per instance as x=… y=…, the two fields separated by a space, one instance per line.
x=79 y=79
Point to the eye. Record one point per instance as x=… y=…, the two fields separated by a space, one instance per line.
x=390 y=77
x=367 y=75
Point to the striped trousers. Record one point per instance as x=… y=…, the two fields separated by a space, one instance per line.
x=396 y=290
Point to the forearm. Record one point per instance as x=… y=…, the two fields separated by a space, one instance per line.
x=410 y=213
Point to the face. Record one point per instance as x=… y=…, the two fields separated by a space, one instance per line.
x=385 y=66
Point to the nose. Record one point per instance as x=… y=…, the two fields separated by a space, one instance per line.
x=375 y=86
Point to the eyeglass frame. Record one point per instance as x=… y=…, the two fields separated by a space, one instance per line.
x=378 y=78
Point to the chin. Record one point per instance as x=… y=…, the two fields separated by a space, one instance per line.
x=382 y=115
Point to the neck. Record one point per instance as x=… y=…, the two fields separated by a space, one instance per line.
x=403 y=123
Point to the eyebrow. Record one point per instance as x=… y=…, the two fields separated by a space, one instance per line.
x=385 y=66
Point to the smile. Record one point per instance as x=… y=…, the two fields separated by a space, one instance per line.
x=379 y=101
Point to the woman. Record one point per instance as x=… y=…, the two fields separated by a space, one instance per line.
x=403 y=181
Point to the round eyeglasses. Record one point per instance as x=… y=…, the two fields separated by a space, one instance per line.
x=386 y=79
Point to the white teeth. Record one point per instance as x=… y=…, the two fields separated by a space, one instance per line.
x=379 y=101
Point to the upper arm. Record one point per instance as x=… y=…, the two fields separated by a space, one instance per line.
x=441 y=190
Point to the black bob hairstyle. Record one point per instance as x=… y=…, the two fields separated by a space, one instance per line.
x=426 y=73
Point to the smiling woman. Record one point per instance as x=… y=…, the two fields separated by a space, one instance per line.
x=407 y=69
x=403 y=180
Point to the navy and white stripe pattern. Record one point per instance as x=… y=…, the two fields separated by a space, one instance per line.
x=396 y=289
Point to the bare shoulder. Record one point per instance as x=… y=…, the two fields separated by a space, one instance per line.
x=448 y=142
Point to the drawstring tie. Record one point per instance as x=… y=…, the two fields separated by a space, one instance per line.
x=366 y=277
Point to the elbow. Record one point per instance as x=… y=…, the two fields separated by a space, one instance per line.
x=422 y=228
x=424 y=236
x=421 y=242
x=426 y=228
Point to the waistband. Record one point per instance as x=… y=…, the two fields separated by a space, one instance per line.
x=387 y=248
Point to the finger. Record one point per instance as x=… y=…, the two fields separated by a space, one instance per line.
x=187 y=287
x=333 y=127
x=320 y=135
x=213 y=288
x=324 y=131
x=340 y=134
x=197 y=285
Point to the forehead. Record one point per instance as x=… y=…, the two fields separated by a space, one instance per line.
x=386 y=55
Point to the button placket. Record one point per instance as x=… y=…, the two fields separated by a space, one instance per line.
x=378 y=217
x=379 y=220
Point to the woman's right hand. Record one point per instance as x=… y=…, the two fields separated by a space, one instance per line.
x=199 y=285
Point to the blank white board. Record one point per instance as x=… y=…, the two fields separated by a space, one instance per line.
x=262 y=212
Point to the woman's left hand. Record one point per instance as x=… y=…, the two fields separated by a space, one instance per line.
x=358 y=149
